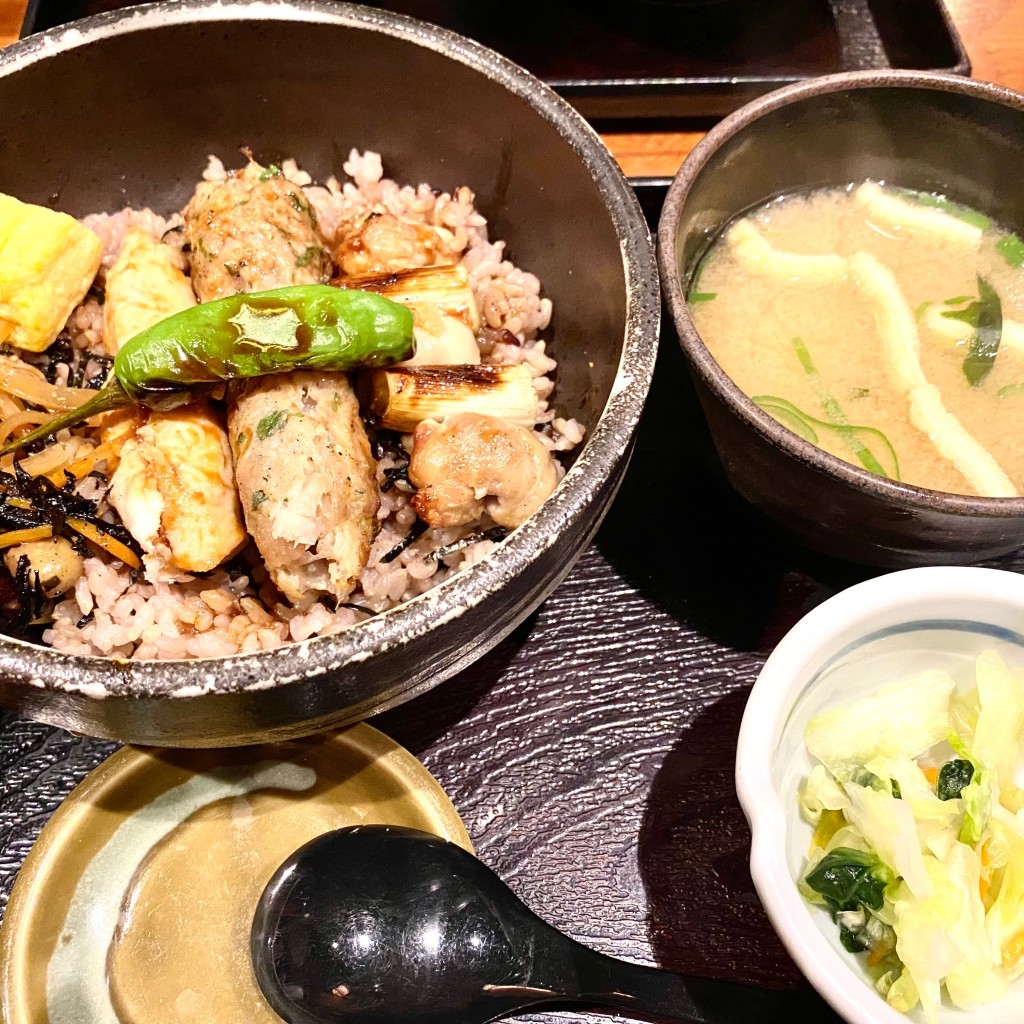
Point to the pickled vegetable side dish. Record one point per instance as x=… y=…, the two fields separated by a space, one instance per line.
x=918 y=846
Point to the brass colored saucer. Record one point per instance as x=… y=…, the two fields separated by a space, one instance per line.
x=135 y=903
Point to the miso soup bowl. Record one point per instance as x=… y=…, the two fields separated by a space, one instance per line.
x=931 y=132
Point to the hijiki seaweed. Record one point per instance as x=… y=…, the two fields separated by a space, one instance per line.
x=34 y=508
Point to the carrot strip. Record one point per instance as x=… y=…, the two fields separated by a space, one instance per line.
x=1013 y=950
x=30 y=533
x=111 y=545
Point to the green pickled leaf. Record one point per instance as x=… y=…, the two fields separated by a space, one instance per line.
x=919 y=312
x=1011 y=248
x=850 y=879
x=1011 y=390
x=985 y=316
x=270 y=171
x=958 y=300
x=852 y=942
x=954 y=777
x=694 y=297
x=964 y=213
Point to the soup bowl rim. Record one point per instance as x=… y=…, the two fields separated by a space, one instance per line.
x=704 y=363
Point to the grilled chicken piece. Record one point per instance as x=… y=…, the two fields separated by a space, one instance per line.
x=175 y=491
x=381 y=243
x=144 y=286
x=251 y=231
x=47 y=263
x=307 y=481
x=472 y=464
x=173 y=483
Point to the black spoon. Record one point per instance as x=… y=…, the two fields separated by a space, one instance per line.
x=386 y=925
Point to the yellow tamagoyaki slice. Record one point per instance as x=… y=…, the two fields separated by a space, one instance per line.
x=47 y=263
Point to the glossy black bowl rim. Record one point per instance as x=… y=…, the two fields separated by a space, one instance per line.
x=605 y=445
x=701 y=359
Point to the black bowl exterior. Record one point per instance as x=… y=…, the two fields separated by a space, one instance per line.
x=124 y=109
x=936 y=133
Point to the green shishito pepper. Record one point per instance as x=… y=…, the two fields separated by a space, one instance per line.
x=302 y=327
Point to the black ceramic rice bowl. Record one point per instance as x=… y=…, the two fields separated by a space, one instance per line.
x=123 y=109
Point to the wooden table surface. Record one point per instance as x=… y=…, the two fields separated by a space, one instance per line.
x=992 y=31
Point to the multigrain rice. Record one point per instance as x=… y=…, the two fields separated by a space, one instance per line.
x=239 y=611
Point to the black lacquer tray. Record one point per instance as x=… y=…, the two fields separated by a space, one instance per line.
x=591 y=754
x=659 y=58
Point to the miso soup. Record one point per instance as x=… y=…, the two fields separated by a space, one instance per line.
x=884 y=326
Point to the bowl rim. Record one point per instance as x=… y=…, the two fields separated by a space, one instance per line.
x=797 y=655
x=697 y=353
x=96 y=677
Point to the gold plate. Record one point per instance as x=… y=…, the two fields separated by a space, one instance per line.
x=195 y=869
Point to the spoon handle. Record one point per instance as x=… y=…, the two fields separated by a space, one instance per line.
x=668 y=997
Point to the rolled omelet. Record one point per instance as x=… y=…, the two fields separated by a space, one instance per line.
x=47 y=263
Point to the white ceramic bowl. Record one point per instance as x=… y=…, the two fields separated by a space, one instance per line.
x=845 y=649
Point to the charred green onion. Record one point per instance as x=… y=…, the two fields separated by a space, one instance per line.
x=445 y=290
x=402 y=397
x=875 y=444
x=850 y=434
x=302 y=327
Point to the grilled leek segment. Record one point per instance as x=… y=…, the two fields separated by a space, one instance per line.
x=47 y=263
x=403 y=397
x=436 y=291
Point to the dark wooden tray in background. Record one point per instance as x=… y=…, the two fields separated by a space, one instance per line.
x=642 y=58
